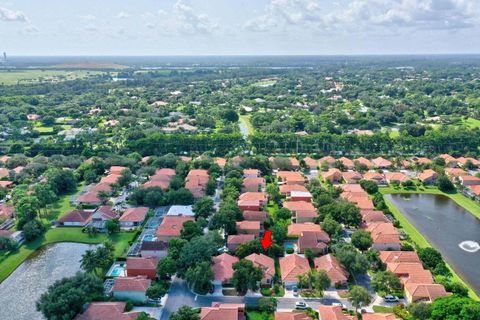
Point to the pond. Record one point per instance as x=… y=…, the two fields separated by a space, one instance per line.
x=449 y=228
x=25 y=285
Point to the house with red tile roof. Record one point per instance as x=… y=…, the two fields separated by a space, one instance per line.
x=462 y=161
x=415 y=292
x=453 y=173
x=473 y=191
x=395 y=177
x=301 y=196
x=252 y=201
x=333 y=313
x=196 y=182
x=287 y=189
x=292 y=266
x=428 y=176
x=265 y=263
x=352 y=188
x=101 y=215
x=374 y=176
x=291 y=315
x=221 y=162
x=249 y=227
x=336 y=272
x=381 y=163
x=4 y=159
x=146 y=266
x=296 y=229
x=6 y=184
x=76 y=218
x=162 y=184
x=234 y=240
x=422 y=161
x=170 y=227
x=110 y=179
x=101 y=187
x=251 y=173
x=223 y=311
x=421 y=277
x=352 y=177
x=107 y=311
x=329 y=160
x=310 y=163
x=131 y=288
x=291 y=177
x=4 y=173
x=156 y=249
x=261 y=216
x=90 y=198
x=253 y=184
x=347 y=163
x=384 y=235
x=378 y=316
x=295 y=163
x=316 y=241
x=369 y=216
x=133 y=217
x=404 y=269
x=117 y=170
x=365 y=162
x=467 y=180
x=161 y=179
x=449 y=160
x=6 y=212
x=222 y=266
x=302 y=211
x=399 y=256
x=333 y=175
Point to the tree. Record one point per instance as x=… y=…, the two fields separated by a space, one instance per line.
x=204 y=207
x=33 y=229
x=199 y=278
x=227 y=216
x=66 y=297
x=342 y=212
x=369 y=186
x=321 y=281
x=358 y=296
x=279 y=231
x=99 y=259
x=166 y=267
x=112 y=226
x=444 y=184
x=125 y=178
x=190 y=230
x=267 y=304
x=246 y=276
x=27 y=209
x=210 y=187
x=455 y=307
x=45 y=195
x=353 y=260
x=175 y=246
x=194 y=252
x=332 y=227
x=157 y=290
x=362 y=240
x=430 y=257
x=8 y=244
x=420 y=311
x=386 y=282
x=89 y=261
x=61 y=181
x=284 y=214
x=185 y=313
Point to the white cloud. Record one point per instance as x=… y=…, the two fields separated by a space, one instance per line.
x=88 y=17
x=368 y=15
x=11 y=15
x=30 y=29
x=91 y=29
x=123 y=15
x=189 y=21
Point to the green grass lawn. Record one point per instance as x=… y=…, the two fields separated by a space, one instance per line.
x=256 y=315
x=414 y=234
x=28 y=76
x=472 y=123
x=13 y=260
x=44 y=130
x=62 y=206
x=381 y=309
x=245 y=119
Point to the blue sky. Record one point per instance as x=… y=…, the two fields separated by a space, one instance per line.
x=238 y=27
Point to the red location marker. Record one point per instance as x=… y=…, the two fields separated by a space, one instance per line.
x=266 y=241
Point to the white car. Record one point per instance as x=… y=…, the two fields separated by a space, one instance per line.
x=301 y=305
x=390 y=298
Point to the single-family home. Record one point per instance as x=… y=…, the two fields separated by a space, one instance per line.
x=6 y=212
x=196 y=182
x=287 y=189
x=76 y=218
x=253 y=184
x=428 y=176
x=395 y=177
x=384 y=235
x=365 y=162
x=316 y=241
x=117 y=170
x=333 y=313
x=291 y=315
x=156 y=249
x=369 y=216
x=462 y=161
x=131 y=288
x=296 y=229
x=90 y=198
x=404 y=269
x=4 y=173
x=468 y=181
x=144 y=266
x=221 y=162
x=248 y=227
x=454 y=173
x=347 y=163
x=374 y=176
x=265 y=263
x=252 y=201
x=378 y=316
x=336 y=272
x=333 y=175
x=223 y=311
x=289 y=177
x=110 y=179
x=301 y=196
x=6 y=184
x=251 y=173
x=422 y=161
x=352 y=177
x=170 y=227
x=133 y=217
x=261 y=216
x=399 y=256
x=381 y=163
x=234 y=240
x=292 y=266
x=179 y=210
x=102 y=215
x=449 y=160
x=302 y=211
x=294 y=163
x=310 y=163
x=107 y=311
x=329 y=160
x=415 y=292
x=223 y=268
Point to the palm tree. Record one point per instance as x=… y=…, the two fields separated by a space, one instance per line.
x=89 y=261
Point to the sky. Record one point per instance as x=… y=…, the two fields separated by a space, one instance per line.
x=239 y=27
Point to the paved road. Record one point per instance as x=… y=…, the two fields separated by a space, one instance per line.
x=180 y=295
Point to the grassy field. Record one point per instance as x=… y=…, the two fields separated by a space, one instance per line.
x=255 y=315
x=12 y=261
x=414 y=234
x=382 y=309
x=29 y=76
x=472 y=123
x=245 y=120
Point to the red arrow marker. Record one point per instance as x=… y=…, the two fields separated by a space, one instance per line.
x=266 y=241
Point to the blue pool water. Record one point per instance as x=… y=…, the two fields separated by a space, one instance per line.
x=148 y=237
x=117 y=270
x=289 y=245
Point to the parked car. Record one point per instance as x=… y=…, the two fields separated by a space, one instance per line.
x=295 y=291
x=300 y=305
x=338 y=304
x=390 y=298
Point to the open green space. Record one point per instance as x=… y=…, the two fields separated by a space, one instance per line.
x=256 y=315
x=414 y=234
x=29 y=76
x=382 y=309
x=245 y=120
x=13 y=260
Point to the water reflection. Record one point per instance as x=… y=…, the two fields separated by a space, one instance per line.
x=20 y=291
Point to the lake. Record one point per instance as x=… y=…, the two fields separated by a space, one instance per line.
x=448 y=227
x=20 y=291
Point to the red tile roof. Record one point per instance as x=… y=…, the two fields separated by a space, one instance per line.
x=77 y=216
x=107 y=311
x=117 y=170
x=148 y=263
x=90 y=197
x=365 y=161
x=288 y=188
x=333 y=313
x=296 y=229
x=261 y=216
x=172 y=225
x=399 y=256
x=395 y=176
x=335 y=271
x=223 y=311
x=134 y=214
x=264 y=262
x=328 y=159
x=382 y=162
x=378 y=316
x=291 y=315
x=347 y=162
x=110 y=179
x=139 y=283
x=240 y=238
x=6 y=212
x=425 y=292
x=293 y=265
x=223 y=266
x=427 y=175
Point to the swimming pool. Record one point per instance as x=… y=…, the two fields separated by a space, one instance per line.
x=117 y=270
x=148 y=237
x=289 y=245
